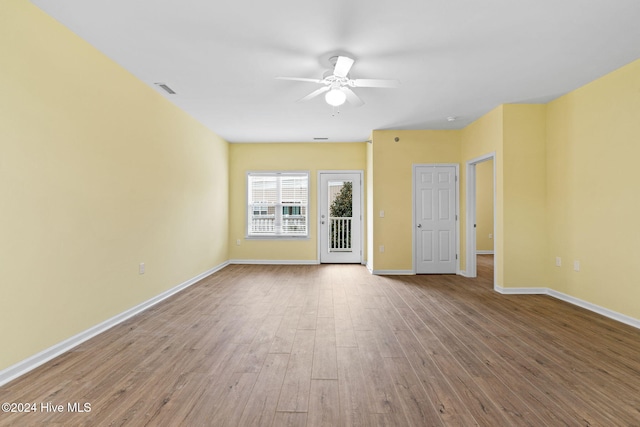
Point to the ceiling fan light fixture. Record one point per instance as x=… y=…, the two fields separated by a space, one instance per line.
x=335 y=97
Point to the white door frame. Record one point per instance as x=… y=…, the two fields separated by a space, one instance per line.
x=413 y=212
x=471 y=268
x=319 y=207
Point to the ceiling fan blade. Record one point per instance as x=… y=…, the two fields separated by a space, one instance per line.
x=300 y=79
x=314 y=94
x=352 y=97
x=343 y=66
x=375 y=83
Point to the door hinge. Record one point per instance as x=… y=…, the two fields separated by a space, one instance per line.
x=456 y=256
x=456 y=217
x=456 y=178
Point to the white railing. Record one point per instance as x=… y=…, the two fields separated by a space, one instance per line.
x=340 y=234
x=263 y=225
x=290 y=225
x=294 y=225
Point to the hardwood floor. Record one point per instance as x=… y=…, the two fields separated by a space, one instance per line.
x=332 y=345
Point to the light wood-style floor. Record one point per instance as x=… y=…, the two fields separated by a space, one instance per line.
x=332 y=345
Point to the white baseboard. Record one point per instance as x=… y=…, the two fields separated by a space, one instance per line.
x=623 y=318
x=521 y=291
x=463 y=274
x=21 y=368
x=484 y=252
x=274 y=262
x=393 y=272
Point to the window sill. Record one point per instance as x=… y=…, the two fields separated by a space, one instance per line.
x=274 y=237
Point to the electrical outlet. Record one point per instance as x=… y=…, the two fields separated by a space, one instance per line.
x=238 y=242
x=490 y=236
x=576 y=265
x=381 y=214
x=381 y=248
x=558 y=261
x=141 y=268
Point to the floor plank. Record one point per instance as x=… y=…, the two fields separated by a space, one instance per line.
x=290 y=419
x=324 y=404
x=324 y=352
x=352 y=388
x=413 y=398
x=261 y=405
x=294 y=396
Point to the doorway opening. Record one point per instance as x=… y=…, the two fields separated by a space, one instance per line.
x=481 y=213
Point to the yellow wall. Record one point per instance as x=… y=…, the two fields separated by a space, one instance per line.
x=524 y=171
x=484 y=206
x=392 y=190
x=592 y=191
x=98 y=173
x=311 y=157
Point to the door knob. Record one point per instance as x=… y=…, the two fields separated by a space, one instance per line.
x=321 y=222
x=419 y=225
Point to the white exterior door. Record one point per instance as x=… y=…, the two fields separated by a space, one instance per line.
x=340 y=217
x=435 y=219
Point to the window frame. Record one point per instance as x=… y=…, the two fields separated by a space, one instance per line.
x=249 y=207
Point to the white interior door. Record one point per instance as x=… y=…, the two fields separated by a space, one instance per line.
x=340 y=217
x=435 y=219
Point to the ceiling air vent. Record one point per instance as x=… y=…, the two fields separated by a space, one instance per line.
x=166 y=88
x=320 y=138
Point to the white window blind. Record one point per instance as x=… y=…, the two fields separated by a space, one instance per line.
x=278 y=204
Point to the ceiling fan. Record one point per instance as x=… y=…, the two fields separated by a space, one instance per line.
x=337 y=84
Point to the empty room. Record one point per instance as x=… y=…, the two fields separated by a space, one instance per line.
x=338 y=213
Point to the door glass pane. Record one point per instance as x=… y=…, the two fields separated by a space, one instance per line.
x=340 y=215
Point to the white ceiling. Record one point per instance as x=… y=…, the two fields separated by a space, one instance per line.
x=456 y=58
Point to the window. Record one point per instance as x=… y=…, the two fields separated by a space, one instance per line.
x=277 y=204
